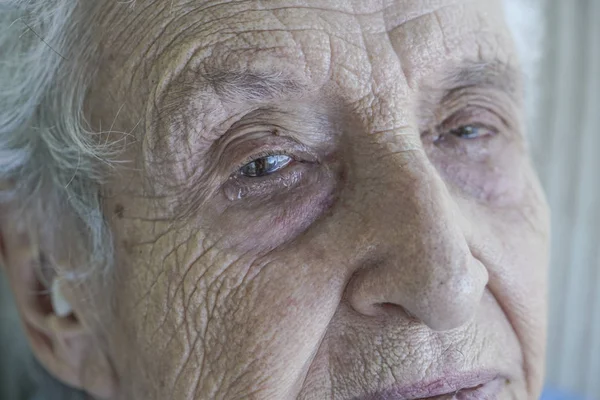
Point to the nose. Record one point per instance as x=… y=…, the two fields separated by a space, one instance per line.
x=421 y=263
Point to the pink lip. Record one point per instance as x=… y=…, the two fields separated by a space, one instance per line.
x=467 y=386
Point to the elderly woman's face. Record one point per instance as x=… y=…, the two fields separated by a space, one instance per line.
x=326 y=199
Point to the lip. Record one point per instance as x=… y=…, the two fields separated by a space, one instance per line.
x=464 y=386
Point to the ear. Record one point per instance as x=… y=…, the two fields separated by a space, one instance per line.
x=57 y=336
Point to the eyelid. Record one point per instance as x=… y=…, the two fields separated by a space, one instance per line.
x=485 y=100
x=483 y=117
x=239 y=186
x=278 y=145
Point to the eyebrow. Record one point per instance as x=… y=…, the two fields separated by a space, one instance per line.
x=246 y=86
x=230 y=86
x=239 y=86
x=235 y=86
x=495 y=74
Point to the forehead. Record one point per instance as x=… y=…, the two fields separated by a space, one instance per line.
x=315 y=41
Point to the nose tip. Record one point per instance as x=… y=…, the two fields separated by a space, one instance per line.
x=451 y=303
x=442 y=301
x=419 y=258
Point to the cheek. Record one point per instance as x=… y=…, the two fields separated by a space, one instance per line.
x=512 y=239
x=259 y=225
x=179 y=300
x=512 y=242
x=204 y=307
x=492 y=174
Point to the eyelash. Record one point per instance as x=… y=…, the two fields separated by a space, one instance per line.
x=240 y=186
x=476 y=117
x=444 y=134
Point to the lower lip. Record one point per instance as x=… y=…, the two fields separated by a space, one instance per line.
x=487 y=391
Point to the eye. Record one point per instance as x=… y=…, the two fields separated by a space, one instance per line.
x=471 y=132
x=466 y=132
x=266 y=165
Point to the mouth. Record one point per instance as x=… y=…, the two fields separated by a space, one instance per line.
x=470 y=386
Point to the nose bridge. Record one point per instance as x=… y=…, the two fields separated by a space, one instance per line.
x=416 y=218
x=424 y=264
x=405 y=195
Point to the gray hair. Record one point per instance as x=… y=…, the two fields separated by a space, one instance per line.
x=52 y=164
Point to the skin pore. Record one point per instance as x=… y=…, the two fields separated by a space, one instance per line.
x=395 y=235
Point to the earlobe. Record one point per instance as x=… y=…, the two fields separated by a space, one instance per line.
x=78 y=359
x=59 y=339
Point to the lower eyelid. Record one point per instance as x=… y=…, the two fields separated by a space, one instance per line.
x=239 y=187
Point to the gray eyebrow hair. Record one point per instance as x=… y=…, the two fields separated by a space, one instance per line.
x=239 y=86
x=231 y=86
x=496 y=74
x=235 y=86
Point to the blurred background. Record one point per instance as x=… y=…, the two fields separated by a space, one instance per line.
x=565 y=141
x=566 y=147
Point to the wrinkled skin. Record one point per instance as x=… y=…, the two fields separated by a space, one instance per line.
x=392 y=250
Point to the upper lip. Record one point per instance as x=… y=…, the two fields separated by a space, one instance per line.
x=449 y=383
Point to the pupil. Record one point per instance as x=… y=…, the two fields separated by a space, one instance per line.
x=467 y=132
x=261 y=165
x=265 y=165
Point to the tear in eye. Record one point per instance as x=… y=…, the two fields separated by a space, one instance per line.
x=265 y=165
x=471 y=132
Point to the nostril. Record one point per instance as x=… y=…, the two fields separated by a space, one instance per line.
x=395 y=308
x=442 y=291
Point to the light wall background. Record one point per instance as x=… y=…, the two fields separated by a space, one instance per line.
x=566 y=147
x=565 y=142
